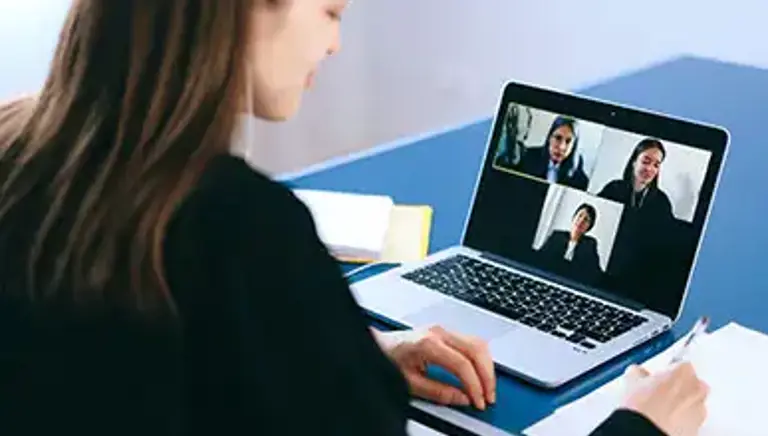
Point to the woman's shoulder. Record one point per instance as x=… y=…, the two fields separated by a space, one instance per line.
x=236 y=201
x=228 y=172
x=558 y=237
x=231 y=183
x=234 y=218
x=531 y=154
x=615 y=184
x=660 y=204
x=590 y=241
x=579 y=177
x=613 y=189
x=663 y=198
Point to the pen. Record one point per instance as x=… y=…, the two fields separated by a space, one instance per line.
x=698 y=329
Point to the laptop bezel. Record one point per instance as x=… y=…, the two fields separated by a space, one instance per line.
x=711 y=137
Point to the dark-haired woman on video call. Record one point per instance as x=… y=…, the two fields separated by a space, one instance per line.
x=558 y=160
x=152 y=283
x=647 y=214
x=638 y=188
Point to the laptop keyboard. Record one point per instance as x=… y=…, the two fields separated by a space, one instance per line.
x=560 y=313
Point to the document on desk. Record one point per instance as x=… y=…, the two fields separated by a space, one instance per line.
x=732 y=360
x=353 y=226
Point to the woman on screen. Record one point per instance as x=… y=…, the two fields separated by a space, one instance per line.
x=558 y=160
x=646 y=222
x=638 y=189
x=574 y=253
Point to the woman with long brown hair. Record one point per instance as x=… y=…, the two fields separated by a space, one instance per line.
x=150 y=282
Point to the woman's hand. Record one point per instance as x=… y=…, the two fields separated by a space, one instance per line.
x=465 y=357
x=674 y=400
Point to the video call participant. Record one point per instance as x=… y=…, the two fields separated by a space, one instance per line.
x=638 y=189
x=574 y=253
x=517 y=125
x=558 y=159
x=647 y=219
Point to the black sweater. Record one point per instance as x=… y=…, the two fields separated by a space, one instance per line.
x=273 y=342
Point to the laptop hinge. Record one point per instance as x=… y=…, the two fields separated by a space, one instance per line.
x=595 y=292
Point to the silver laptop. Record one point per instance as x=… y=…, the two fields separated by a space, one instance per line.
x=580 y=240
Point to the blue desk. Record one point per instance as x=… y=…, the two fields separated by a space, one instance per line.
x=730 y=281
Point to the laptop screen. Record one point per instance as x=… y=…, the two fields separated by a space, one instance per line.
x=596 y=196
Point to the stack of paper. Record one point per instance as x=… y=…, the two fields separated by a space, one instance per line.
x=732 y=361
x=367 y=228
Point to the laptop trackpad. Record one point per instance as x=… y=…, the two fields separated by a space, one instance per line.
x=459 y=318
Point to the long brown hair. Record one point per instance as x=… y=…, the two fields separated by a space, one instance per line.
x=140 y=96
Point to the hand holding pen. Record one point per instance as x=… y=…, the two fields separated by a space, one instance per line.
x=674 y=400
x=698 y=329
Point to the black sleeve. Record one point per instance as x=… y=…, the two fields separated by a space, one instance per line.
x=277 y=343
x=627 y=423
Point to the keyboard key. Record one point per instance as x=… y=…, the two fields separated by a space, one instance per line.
x=599 y=337
x=549 y=309
x=546 y=327
x=512 y=314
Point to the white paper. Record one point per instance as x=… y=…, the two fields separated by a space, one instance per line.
x=351 y=225
x=417 y=429
x=733 y=361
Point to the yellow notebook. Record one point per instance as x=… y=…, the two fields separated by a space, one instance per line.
x=408 y=234
x=407 y=237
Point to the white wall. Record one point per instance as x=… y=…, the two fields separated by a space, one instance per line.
x=412 y=66
x=28 y=33
x=435 y=63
